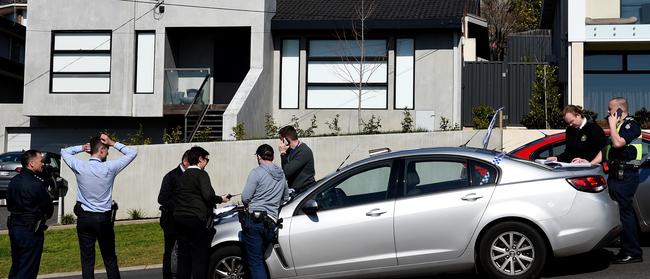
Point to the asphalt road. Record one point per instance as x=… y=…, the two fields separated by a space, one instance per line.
x=4 y=213
x=594 y=265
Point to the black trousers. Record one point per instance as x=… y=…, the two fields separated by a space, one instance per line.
x=622 y=191
x=26 y=248
x=171 y=237
x=193 y=247
x=96 y=227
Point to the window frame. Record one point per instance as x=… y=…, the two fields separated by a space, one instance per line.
x=335 y=181
x=395 y=73
x=280 y=77
x=135 y=72
x=53 y=52
x=401 y=188
x=625 y=67
x=345 y=84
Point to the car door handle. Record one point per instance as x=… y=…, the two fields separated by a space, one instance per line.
x=471 y=197
x=375 y=212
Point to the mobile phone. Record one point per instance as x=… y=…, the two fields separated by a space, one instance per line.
x=619 y=112
x=285 y=141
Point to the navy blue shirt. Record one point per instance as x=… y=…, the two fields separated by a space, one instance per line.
x=629 y=130
x=28 y=197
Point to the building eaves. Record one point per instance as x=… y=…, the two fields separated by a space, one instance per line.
x=385 y=14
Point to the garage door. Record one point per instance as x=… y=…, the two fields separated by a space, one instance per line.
x=18 y=141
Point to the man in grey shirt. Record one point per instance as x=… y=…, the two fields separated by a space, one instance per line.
x=265 y=191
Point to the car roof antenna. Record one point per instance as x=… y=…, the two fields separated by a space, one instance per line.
x=470 y=139
x=346 y=158
x=545 y=135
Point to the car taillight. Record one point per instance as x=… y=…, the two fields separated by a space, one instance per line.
x=18 y=169
x=592 y=184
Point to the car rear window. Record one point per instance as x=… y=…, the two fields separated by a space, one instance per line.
x=10 y=157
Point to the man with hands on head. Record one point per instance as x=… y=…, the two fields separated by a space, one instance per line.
x=95 y=178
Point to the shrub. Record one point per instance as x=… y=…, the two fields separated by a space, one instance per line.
x=203 y=135
x=175 y=136
x=481 y=116
x=309 y=132
x=138 y=138
x=590 y=115
x=445 y=125
x=135 y=214
x=270 y=127
x=407 y=122
x=372 y=126
x=110 y=134
x=545 y=101
x=642 y=117
x=239 y=131
x=68 y=219
x=334 y=125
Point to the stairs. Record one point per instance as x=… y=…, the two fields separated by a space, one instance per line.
x=212 y=120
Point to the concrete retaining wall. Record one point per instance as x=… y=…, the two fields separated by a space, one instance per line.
x=138 y=185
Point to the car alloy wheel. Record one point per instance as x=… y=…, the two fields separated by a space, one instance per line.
x=227 y=262
x=512 y=253
x=229 y=267
x=512 y=250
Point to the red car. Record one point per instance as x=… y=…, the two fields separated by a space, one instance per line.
x=553 y=145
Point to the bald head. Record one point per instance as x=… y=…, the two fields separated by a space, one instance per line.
x=618 y=102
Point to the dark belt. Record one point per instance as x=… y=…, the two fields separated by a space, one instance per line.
x=260 y=217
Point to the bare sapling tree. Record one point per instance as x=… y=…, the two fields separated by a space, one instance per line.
x=353 y=50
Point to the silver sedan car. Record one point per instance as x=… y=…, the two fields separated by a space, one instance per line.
x=428 y=211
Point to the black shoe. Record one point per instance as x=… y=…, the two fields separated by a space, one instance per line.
x=627 y=259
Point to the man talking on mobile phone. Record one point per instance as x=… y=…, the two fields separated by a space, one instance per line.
x=623 y=156
x=297 y=160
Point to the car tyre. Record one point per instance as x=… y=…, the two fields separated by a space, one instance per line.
x=227 y=262
x=498 y=259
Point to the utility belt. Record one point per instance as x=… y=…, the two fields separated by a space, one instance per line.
x=27 y=220
x=619 y=168
x=261 y=216
x=79 y=211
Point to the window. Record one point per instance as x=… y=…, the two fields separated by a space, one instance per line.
x=365 y=187
x=623 y=73
x=145 y=60
x=334 y=73
x=290 y=74
x=635 y=8
x=549 y=150
x=482 y=174
x=424 y=177
x=404 y=73
x=81 y=62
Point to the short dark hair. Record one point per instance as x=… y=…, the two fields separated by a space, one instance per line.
x=96 y=144
x=265 y=152
x=185 y=155
x=288 y=132
x=195 y=153
x=28 y=156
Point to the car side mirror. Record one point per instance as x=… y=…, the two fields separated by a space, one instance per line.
x=310 y=207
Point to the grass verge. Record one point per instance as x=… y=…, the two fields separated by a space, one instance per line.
x=136 y=244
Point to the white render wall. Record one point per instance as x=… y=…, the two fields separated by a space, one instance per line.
x=437 y=86
x=137 y=187
x=11 y=115
x=109 y=15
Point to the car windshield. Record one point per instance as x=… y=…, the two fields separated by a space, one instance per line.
x=11 y=157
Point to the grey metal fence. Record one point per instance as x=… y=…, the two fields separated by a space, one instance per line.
x=498 y=84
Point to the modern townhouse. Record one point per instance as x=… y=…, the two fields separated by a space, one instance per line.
x=603 y=49
x=118 y=64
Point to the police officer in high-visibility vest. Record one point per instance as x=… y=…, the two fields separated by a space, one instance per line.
x=623 y=179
